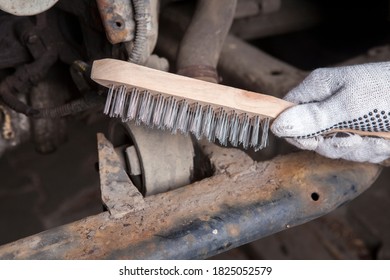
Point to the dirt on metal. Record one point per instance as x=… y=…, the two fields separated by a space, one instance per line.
x=239 y=185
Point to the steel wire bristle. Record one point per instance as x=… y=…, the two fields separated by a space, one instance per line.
x=208 y=123
x=264 y=137
x=196 y=121
x=183 y=117
x=132 y=109
x=156 y=110
x=159 y=110
x=109 y=100
x=234 y=129
x=255 y=131
x=118 y=101
x=171 y=113
x=244 y=132
x=221 y=128
x=113 y=102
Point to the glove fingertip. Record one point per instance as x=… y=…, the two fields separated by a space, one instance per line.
x=290 y=124
x=309 y=144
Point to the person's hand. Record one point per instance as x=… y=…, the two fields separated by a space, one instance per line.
x=356 y=97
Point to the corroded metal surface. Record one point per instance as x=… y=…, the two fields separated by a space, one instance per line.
x=7 y=131
x=119 y=194
x=14 y=129
x=117 y=18
x=242 y=202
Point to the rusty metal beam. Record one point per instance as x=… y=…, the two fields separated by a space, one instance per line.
x=246 y=66
x=242 y=202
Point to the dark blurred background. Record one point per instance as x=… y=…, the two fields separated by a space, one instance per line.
x=42 y=191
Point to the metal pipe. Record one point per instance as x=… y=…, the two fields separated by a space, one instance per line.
x=242 y=202
x=202 y=42
x=89 y=100
x=242 y=64
x=245 y=66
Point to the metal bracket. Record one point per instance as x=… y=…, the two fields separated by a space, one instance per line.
x=119 y=194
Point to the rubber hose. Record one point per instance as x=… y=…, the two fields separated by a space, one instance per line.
x=90 y=100
x=202 y=42
x=24 y=78
x=140 y=38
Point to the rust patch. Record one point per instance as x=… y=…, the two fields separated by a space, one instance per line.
x=118 y=192
x=233 y=230
x=117 y=18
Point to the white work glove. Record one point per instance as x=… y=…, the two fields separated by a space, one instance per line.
x=356 y=97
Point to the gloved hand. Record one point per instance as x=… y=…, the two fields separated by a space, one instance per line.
x=356 y=97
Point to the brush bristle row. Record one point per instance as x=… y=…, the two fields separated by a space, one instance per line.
x=178 y=115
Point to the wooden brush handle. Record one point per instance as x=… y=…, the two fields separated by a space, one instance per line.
x=109 y=72
x=115 y=72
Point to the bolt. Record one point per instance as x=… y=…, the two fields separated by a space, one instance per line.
x=133 y=161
